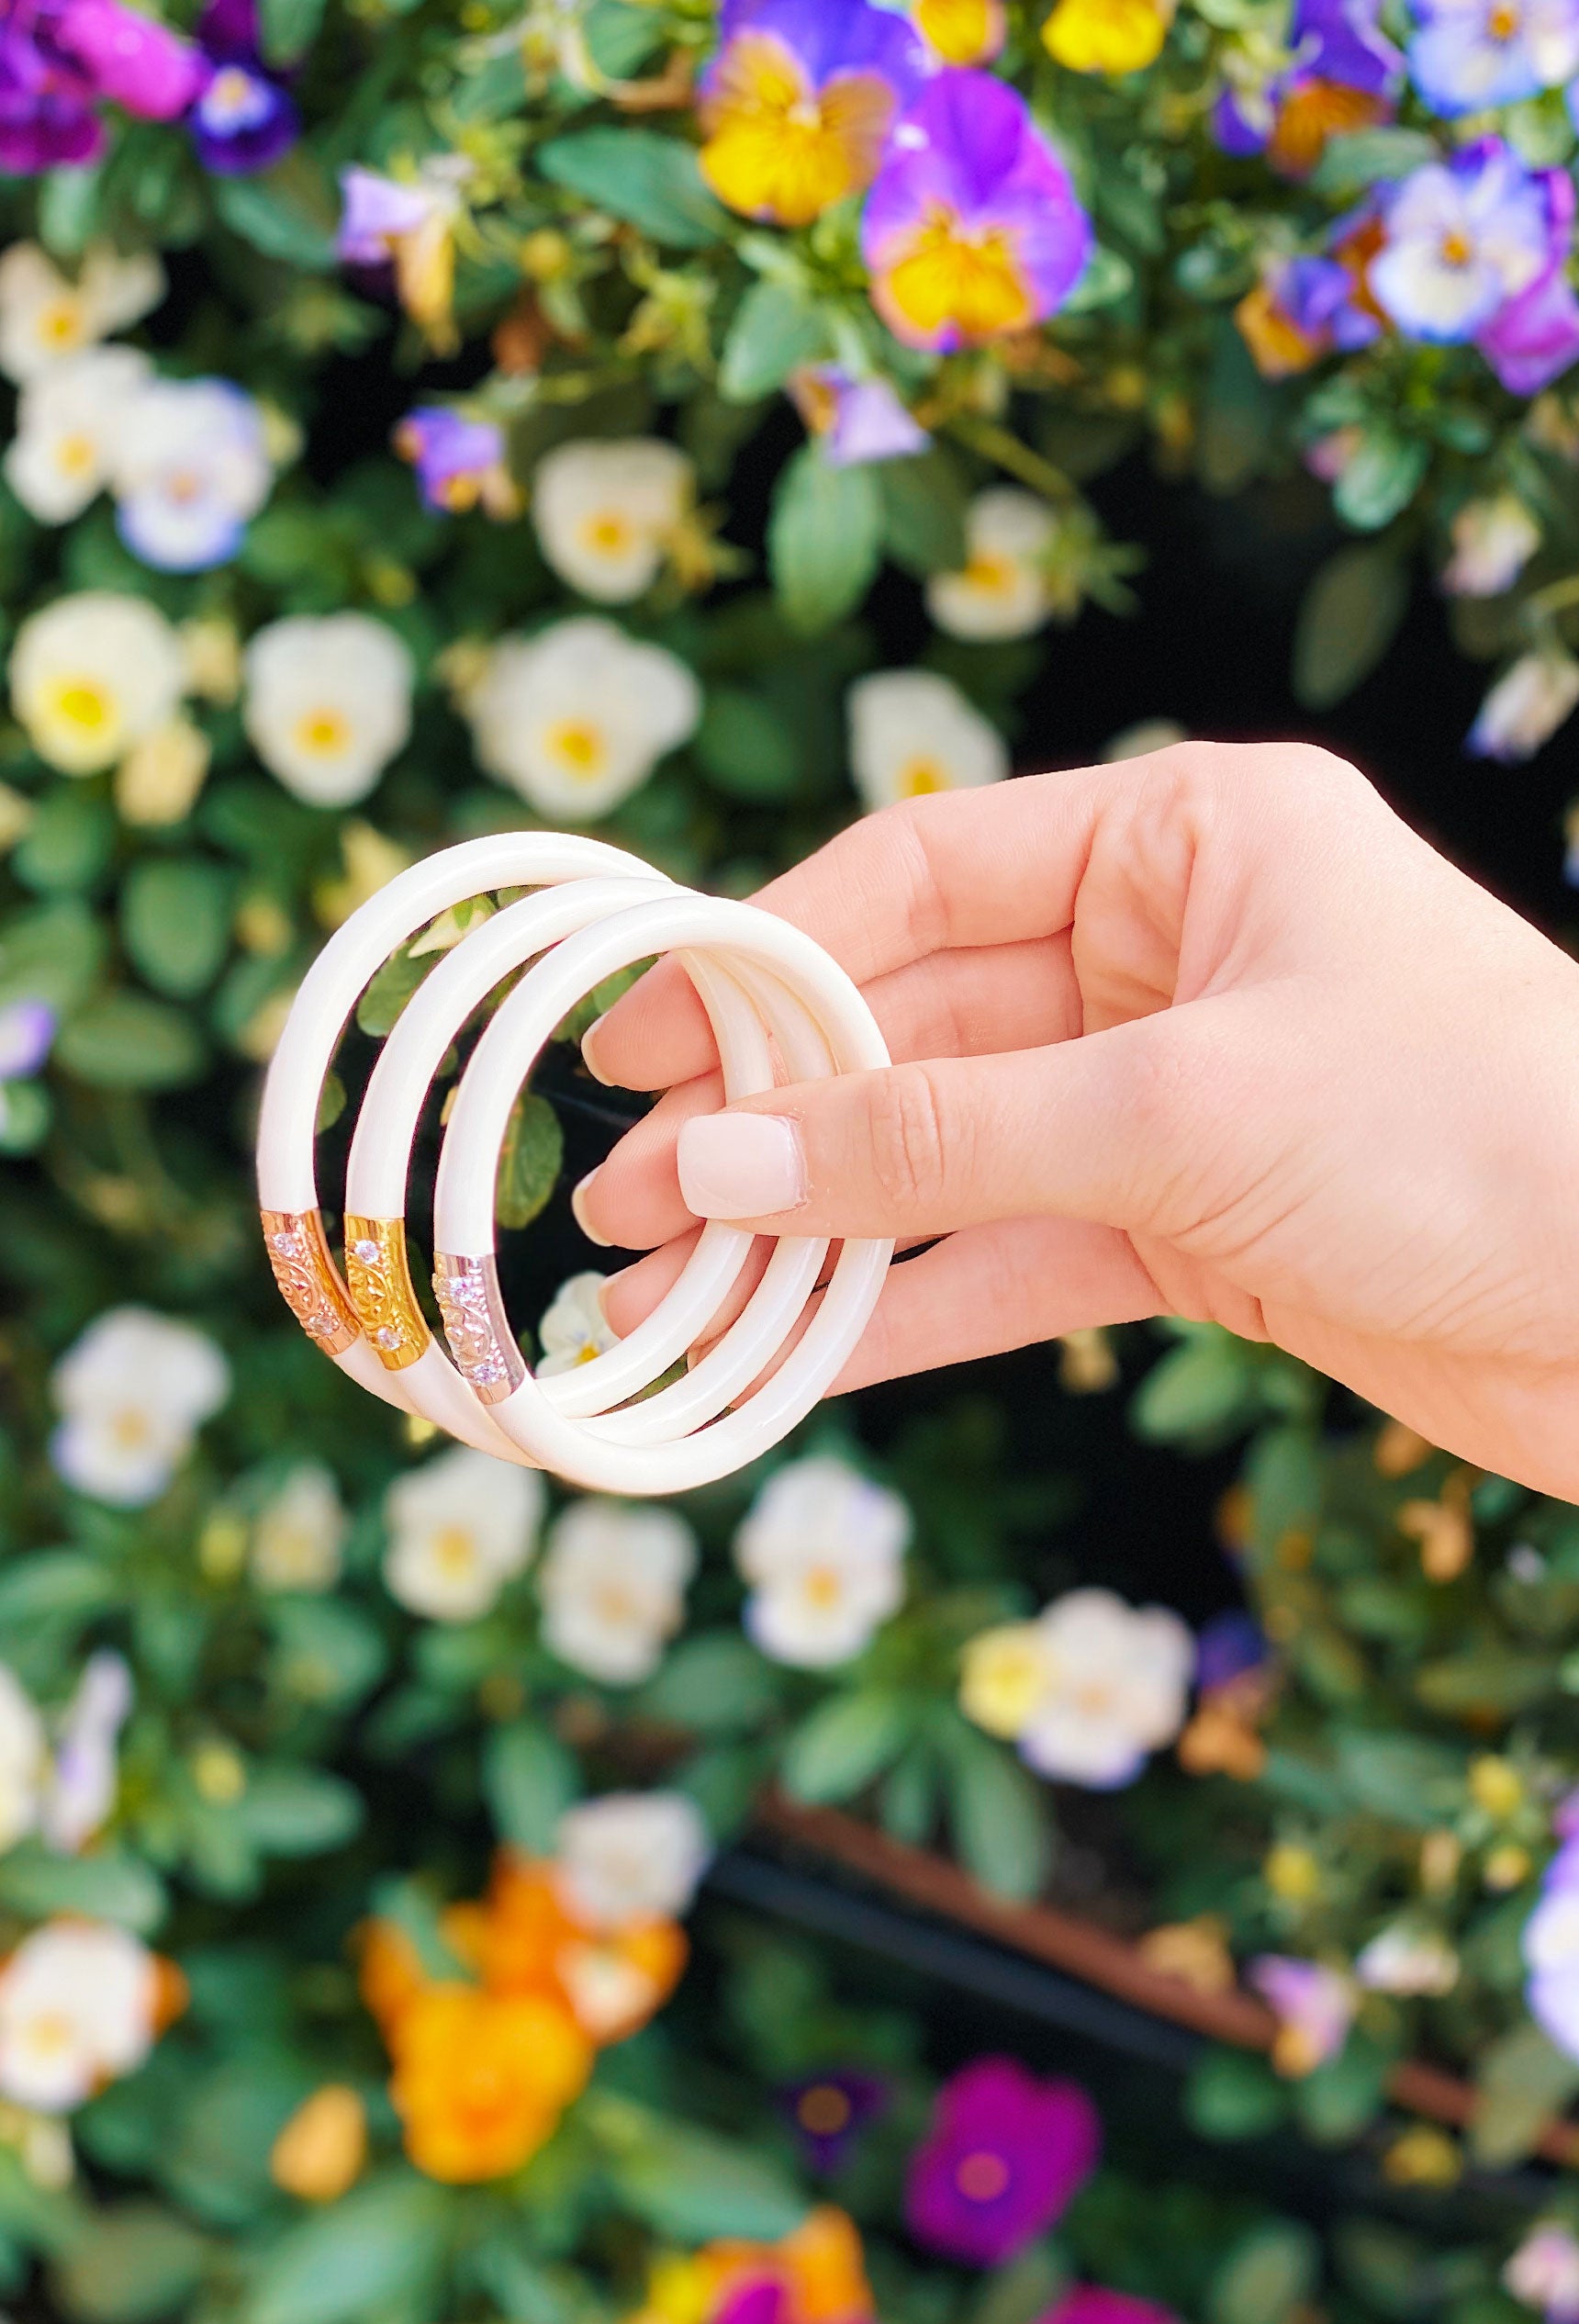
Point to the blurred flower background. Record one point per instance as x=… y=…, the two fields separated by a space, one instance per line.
x=1091 y=1840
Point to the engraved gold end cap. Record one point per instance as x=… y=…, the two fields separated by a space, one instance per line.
x=308 y=1279
x=382 y=1295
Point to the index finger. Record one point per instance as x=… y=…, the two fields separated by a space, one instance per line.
x=962 y=867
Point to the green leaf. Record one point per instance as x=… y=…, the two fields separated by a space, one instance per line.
x=641 y=175
x=287 y=28
x=1522 y=2082
x=26 y=1112
x=1107 y=278
x=1232 y=2094
x=69 y=841
x=1198 y=1387
x=175 y=921
x=379 y=1011
x=379 y=2247
x=773 y=332
x=54 y=1585
x=1022 y=2292
x=1380 y=478
x=132 y=2263
x=1347 y=620
x=824 y=539
x=1406 y=1778
x=529 y=1160
x=743 y=750
x=289 y=212
x=529 y=1781
x=1344 y=2094
x=689 y=2185
x=999 y=1815
x=298 y=1811
x=843 y=1744
x=714 y=1684
x=924 y=504
x=105 y=1886
x=1363 y=158
x=126 y=1042
x=1267 y=2277
x=53 y=952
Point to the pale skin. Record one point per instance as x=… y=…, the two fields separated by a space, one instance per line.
x=1210 y=1033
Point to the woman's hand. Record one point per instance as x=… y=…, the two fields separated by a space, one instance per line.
x=1210 y=1033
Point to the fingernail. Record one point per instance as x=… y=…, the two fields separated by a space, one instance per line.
x=604 y=1288
x=579 y=1212
x=742 y=1165
x=588 y=1054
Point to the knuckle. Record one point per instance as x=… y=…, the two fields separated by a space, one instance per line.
x=910 y=1156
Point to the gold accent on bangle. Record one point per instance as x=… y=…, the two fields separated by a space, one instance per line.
x=379 y=1279
x=476 y=1327
x=308 y=1279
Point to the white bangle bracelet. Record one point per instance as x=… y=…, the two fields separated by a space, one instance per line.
x=298 y=1250
x=759 y=980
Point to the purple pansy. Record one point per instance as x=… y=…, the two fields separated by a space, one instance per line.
x=1469 y=55
x=459 y=462
x=972 y=227
x=829 y=2111
x=798 y=102
x=378 y=212
x=1002 y=2159
x=1551 y=1951
x=1228 y=1645
x=245 y=118
x=61 y=59
x=1314 y=2007
x=27 y=1032
x=1475 y=249
x=1093 y=2304
x=760 y=2302
x=1345 y=75
x=858 y=420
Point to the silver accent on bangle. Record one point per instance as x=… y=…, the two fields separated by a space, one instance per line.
x=476 y=1327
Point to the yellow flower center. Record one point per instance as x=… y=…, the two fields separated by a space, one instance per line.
x=1105 y=36
x=50 y=2034
x=1503 y=21
x=454 y=1550
x=322 y=732
x=948 y=276
x=824 y=1586
x=824 y=2111
x=1457 y=249
x=184 y=485
x=130 y=1428
x=579 y=746
x=608 y=534
x=776 y=148
x=61 y=325
x=74 y=454
x=82 y=704
x=918 y=778
x=981 y=2177
x=614 y=1602
x=993 y=575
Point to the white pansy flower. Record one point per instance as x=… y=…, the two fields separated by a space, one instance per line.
x=612 y=1588
x=1404 y=1960
x=45 y=319
x=576 y=718
x=1527 y=705
x=573 y=1329
x=605 y=512
x=91 y=675
x=68 y=429
x=459 y=1527
x=191 y=466
x=78 y=2006
x=1494 y=540
x=1544 y=2271
x=824 y=1550
x=1115 y=1686
x=1001 y=589
x=23 y=1760
x=80 y=1795
x=631 y=1856
x=328 y=703
x=300 y=1532
x=132 y=1392
x=913 y=732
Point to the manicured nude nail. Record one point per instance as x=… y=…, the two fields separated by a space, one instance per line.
x=589 y=1055
x=579 y=1212
x=604 y=1290
x=742 y=1165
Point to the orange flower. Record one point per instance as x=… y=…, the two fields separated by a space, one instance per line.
x=523 y=1940
x=1314 y=111
x=389 y=1973
x=481 y=2079
x=614 y=1984
x=1278 y=346
x=321 y=2151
